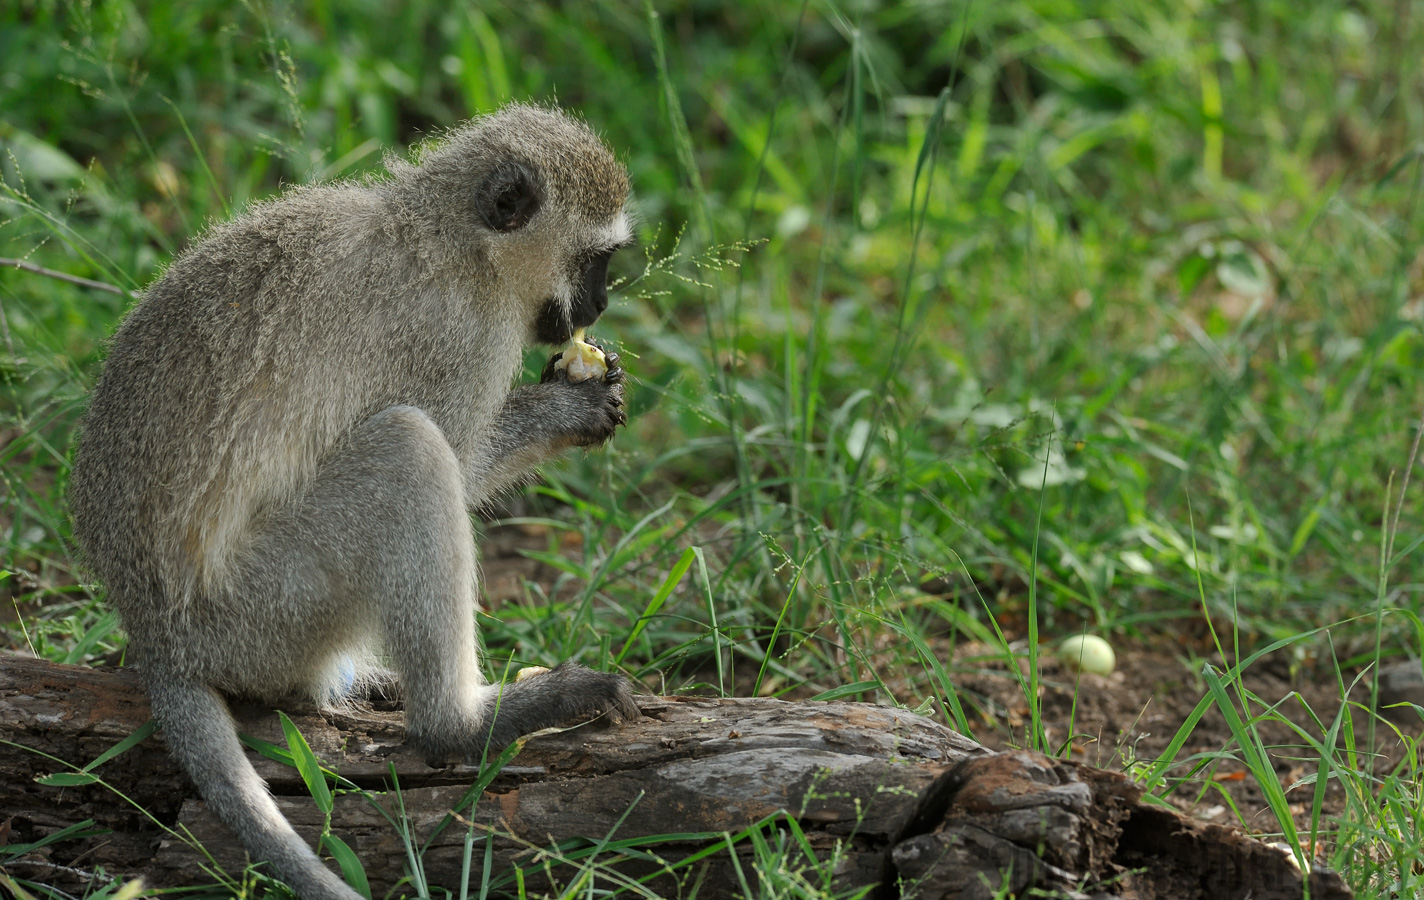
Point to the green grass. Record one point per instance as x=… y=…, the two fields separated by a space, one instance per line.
x=956 y=323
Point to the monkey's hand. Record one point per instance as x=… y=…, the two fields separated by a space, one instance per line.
x=596 y=410
x=540 y=421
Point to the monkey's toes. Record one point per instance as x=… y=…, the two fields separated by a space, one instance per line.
x=613 y=698
x=585 y=693
x=625 y=709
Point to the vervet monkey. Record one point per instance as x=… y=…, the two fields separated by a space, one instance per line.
x=275 y=474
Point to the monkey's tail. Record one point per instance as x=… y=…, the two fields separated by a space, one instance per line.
x=201 y=735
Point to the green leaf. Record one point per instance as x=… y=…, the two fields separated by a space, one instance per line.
x=307 y=765
x=133 y=740
x=14 y=889
x=67 y=779
x=271 y=751
x=37 y=158
x=847 y=690
x=1305 y=529
x=674 y=578
x=75 y=832
x=351 y=868
x=1191 y=272
x=104 y=626
x=1255 y=756
x=471 y=796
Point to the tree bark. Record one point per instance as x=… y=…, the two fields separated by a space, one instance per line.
x=858 y=796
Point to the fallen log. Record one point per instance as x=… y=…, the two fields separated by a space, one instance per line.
x=702 y=795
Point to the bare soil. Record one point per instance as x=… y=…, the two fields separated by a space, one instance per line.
x=1127 y=720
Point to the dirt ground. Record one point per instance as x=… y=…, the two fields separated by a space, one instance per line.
x=1125 y=721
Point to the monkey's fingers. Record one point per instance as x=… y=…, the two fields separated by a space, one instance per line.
x=615 y=400
x=615 y=373
x=605 y=414
x=551 y=373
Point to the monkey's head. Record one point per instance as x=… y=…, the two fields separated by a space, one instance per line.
x=528 y=199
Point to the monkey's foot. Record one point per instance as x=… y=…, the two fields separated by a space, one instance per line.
x=564 y=695
x=559 y=696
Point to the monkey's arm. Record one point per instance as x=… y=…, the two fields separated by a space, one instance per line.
x=540 y=421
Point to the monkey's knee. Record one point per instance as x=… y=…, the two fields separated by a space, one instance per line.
x=402 y=443
x=395 y=482
x=380 y=543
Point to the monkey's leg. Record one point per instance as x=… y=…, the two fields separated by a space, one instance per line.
x=386 y=516
x=386 y=522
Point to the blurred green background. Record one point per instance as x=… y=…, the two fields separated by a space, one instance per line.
x=951 y=321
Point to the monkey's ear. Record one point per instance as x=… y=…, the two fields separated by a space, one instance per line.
x=508 y=197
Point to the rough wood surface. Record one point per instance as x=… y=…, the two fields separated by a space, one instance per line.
x=901 y=803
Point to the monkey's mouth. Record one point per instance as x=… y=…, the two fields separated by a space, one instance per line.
x=554 y=325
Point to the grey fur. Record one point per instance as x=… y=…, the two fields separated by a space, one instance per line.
x=276 y=469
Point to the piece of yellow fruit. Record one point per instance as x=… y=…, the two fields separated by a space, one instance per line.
x=529 y=672
x=582 y=361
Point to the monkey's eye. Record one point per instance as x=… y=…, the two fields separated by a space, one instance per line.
x=508 y=197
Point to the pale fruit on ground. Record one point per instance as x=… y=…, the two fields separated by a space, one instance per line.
x=1088 y=653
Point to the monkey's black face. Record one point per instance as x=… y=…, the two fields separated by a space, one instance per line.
x=553 y=325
